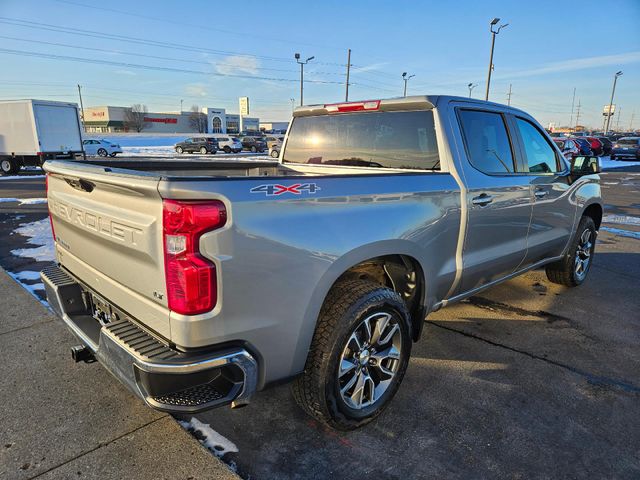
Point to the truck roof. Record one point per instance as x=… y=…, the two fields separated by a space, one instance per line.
x=415 y=102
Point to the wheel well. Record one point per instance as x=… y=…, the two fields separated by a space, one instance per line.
x=595 y=212
x=403 y=275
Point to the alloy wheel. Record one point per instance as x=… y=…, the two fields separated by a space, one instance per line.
x=583 y=254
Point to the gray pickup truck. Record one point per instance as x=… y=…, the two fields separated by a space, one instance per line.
x=199 y=283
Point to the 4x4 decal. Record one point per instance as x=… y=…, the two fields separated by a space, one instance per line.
x=272 y=189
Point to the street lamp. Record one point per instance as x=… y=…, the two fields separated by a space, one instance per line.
x=181 y=105
x=406 y=79
x=471 y=86
x=493 y=42
x=302 y=64
x=613 y=91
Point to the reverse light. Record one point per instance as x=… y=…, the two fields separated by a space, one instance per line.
x=190 y=278
x=353 y=106
x=46 y=189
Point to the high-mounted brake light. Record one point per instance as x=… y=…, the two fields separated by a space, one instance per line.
x=46 y=189
x=353 y=106
x=190 y=278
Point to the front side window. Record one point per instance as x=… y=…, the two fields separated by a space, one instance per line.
x=540 y=156
x=487 y=141
x=402 y=140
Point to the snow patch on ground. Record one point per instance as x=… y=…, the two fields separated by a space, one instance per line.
x=20 y=177
x=39 y=234
x=208 y=437
x=621 y=219
x=28 y=275
x=621 y=232
x=24 y=201
x=31 y=288
x=607 y=163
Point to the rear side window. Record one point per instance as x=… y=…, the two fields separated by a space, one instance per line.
x=488 y=146
x=403 y=140
x=541 y=157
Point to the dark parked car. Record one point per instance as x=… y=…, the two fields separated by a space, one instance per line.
x=254 y=144
x=583 y=145
x=626 y=148
x=607 y=145
x=568 y=147
x=201 y=145
x=596 y=145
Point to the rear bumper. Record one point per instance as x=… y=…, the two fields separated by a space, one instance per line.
x=165 y=378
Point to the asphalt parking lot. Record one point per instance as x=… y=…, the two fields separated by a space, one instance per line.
x=526 y=380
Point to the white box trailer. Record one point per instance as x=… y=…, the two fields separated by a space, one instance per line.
x=32 y=131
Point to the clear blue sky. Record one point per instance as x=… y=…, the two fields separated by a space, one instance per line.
x=547 y=50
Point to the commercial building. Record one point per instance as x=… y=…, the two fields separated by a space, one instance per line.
x=271 y=126
x=110 y=119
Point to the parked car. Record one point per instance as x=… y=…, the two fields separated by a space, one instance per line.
x=319 y=268
x=626 y=148
x=596 y=145
x=254 y=144
x=102 y=148
x=584 y=145
x=202 y=145
x=607 y=145
x=228 y=144
x=568 y=147
x=274 y=150
x=273 y=140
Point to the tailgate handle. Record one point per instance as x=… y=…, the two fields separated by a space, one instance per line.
x=80 y=184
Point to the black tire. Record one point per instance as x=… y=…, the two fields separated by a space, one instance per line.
x=227 y=149
x=113 y=155
x=275 y=154
x=254 y=149
x=9 y=166
x=203 y=150
x=102 y=152
x=179 y=150
x=317 y=389
x=565 y=272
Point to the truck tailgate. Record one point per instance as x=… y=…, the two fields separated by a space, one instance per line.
x=108 y=230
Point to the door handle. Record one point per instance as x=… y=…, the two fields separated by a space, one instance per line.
x=482 y=199
x=541 y=193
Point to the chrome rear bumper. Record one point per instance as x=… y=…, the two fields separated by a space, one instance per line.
x=165 y=378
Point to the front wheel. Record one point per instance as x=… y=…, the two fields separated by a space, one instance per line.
x=572 y=270
x=179 y=150
x=254 y=149
x=275 y=153
x=9 y=166
x=227 y=149
x=358 y=356
x=113 y=155
x=203 y=151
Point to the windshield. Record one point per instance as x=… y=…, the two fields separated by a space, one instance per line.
x=404 y=140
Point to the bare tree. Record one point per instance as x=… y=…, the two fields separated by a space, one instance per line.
x=197 y=119
x=134 y=117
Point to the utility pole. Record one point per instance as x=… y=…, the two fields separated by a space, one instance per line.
x=578 y=114
x=618 y=121
x=181 y=105
x=572 y=104
x=406 y=79
x=633 y=116
x=509 y=96
x=302 y=64
x=346 y=95
x=81 y=105
x=613 y=91
x=471 y=86
x=493 y=42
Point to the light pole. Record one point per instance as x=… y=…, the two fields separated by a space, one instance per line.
x=471 y=86
x=613 y=91
x=406 y=79
x=302 y=64
x=493 y=42
x=293 y=102
x=181 y=105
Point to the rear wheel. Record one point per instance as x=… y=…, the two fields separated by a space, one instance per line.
x=227 y=149
x=102 y=152
x=358 y=356
x=572 y=270
x=203 y=150
x=254 y=149
x=9 y=166
x=275 y=153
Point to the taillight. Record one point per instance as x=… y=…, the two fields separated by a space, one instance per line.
x=46 y=189
x=353 y=106
x=190 y=278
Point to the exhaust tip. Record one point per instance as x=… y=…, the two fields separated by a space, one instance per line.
x=81 y=353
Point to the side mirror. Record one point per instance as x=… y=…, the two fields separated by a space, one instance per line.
x=585 y=165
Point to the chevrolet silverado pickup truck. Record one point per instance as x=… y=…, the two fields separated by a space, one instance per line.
x=200 y=283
